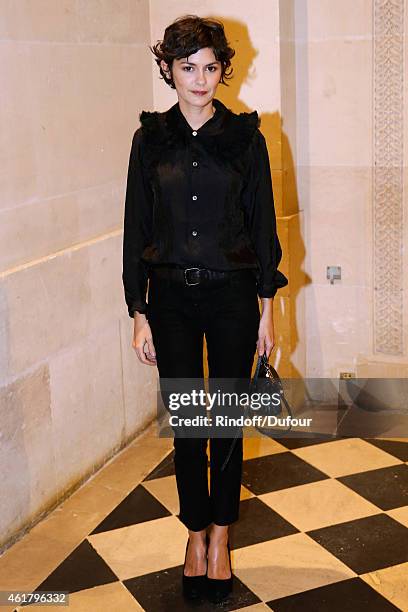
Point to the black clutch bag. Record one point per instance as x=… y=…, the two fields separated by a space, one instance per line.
x=266 y=380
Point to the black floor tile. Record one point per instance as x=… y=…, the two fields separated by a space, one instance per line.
x=352 y=595
x=365 y=544
x=162 y=592
x=278 y=471
x=387 y=487
x=258 y=523
x=165 y=468
x=137 y=507
x=82 y=569
x=397 y=449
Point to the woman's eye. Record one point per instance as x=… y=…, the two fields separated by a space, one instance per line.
x=210 y=68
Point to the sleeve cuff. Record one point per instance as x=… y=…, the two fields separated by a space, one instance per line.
x=267 y=290
x=267 y=293
x=143 y=309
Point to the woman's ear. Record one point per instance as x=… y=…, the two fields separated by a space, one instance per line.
x=165 y=68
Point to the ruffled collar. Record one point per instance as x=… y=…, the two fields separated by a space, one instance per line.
x=226 y=135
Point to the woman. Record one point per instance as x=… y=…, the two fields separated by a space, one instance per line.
x=200 y=225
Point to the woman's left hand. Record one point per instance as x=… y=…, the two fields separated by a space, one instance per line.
x=266 y=332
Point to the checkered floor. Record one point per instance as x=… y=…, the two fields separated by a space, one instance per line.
x=323 y=526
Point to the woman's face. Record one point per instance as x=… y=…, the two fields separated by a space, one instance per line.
x=196 y=77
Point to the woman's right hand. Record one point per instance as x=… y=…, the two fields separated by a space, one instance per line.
x=143 y=340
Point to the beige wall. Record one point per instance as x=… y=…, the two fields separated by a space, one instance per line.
x=339 y=134
x=75 y=74
x=334 y=59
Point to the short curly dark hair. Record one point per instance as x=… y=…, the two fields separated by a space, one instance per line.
x=185 y=36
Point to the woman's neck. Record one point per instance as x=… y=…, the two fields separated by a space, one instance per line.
x=196 y=116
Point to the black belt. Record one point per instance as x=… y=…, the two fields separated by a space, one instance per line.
x=191 y=276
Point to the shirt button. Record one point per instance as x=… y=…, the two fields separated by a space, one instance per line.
x=195 y=164
x=194 y=133
x=194 y=233
x=194 y=197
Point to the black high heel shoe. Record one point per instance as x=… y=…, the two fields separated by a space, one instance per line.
x=219 y=589
x=193 y=586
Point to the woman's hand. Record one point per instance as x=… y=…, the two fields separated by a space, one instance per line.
x=266 y=333
x=142 y=340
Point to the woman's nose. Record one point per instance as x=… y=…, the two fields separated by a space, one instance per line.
x=200 y=79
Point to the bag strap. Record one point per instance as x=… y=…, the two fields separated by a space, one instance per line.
x=261 y=359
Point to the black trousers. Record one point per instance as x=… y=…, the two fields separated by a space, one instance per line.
x=179 y=317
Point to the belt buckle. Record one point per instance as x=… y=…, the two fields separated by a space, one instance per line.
x=185 y=276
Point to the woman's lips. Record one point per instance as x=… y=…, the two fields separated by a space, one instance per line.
x=199 y=93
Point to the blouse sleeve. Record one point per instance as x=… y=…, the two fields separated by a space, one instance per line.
x=136 y=230
x=261 y=220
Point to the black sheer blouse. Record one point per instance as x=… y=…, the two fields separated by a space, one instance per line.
x=199 y=198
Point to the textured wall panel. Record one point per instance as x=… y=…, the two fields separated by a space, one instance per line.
x=388 y=41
